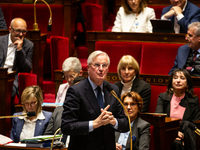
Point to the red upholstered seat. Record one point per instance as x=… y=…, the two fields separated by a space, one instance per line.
x=24 y=80
x=158 y=58
x=59 y=47
x=152 y=138
x=94 y=20
x=158 y=10
x=42 y=13
x=155 y=92
x=116 y=50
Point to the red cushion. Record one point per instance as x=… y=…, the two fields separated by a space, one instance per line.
x=152 y=138
x=158 y=58
x=83 y=5
x=94 y=19
x=42 y=14
x=158 y=10
x=155 y=92
x=59 y=47
x=116 y=50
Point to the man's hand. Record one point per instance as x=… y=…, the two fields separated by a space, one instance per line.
x=19 y=42
x=104 y=118
x=169 y=14
x=177 y=10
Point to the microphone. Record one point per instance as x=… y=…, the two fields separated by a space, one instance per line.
x=28 y=114
x=35 y=25
x=111 y=90
x=194 y=128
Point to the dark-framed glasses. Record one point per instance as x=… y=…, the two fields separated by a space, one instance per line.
x=19 y=31
x=131 y=104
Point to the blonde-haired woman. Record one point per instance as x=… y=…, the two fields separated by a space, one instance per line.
x=27 y=127
x=128 y=72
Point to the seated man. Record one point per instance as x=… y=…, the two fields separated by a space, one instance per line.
x=188 y=55
x=181 y=13
x=16 y=51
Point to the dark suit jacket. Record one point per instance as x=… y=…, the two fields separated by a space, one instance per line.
x=181 y=57
x=142 y=88
x=55 y=121
x=2 y=20
x=80 y=107
x=191 y=14
x=141 y=130
x=191 y=113
x=17 y=125
x=22 y=60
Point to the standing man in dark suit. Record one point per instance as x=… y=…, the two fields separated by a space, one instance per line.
x=16 y=51
x=188 y=55
x=2 y=20
x=181 y=13
x=91 y=114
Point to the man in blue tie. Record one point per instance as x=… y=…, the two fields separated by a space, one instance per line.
x=91 y=114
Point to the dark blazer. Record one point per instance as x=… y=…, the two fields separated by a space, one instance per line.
x=191 y=113
x=17 y=125
x=80 y=107
x=2 y=20
x=141 y=130
x=55 y=121
x=22 y=60
x=142 y=88
x=191 y=14
x=181 y=57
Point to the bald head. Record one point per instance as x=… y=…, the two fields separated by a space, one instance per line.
x=18 y=22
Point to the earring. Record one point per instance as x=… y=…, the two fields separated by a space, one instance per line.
x=187 y=90
x=171 y=89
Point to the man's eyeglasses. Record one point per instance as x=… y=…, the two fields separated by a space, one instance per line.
x=19 y=31
x=97 y=65
x=32 y=104
x=189 y=36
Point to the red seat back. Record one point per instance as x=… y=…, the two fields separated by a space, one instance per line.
x=116 y=50
x=158 y=58
x=59 y=47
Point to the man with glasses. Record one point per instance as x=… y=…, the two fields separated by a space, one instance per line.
x=16 y=51
x=188 y=55
x=181 y=13
x=91 y=114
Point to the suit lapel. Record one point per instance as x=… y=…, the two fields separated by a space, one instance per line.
x=135 y=84
x=39 y=124
x=107 y=96
x=4 y=50
x=183 y=57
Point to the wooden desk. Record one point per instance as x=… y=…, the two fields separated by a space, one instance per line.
x=39 y=41
x=165 y=129
x=6 y=83
x=25 y=148
x=93 y=36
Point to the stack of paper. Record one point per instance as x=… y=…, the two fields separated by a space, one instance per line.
x=5 y=140
x=42 y=138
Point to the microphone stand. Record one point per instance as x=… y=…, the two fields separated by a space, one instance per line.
x=129 y=121
x=35 y=25
x=21 y=115
x=54 y=138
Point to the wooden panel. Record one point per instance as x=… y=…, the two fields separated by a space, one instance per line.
x=93 y=36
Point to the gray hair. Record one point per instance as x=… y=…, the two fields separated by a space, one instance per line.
x=72 y=64
x=195 y=25
x=94 y=54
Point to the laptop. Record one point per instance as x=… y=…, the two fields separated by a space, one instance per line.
x=162 y=26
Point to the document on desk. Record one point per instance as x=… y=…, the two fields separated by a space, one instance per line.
x=16 y=144
x=41 y=138
x=5 y=140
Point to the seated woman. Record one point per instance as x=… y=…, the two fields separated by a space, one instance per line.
x=140 y=128
x=71 y=68
x=179 y=100
x=128 y=72
x=27 y=127
x=134 y=16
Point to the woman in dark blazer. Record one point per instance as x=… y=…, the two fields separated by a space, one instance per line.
x=140 y=128
x=179 y=101
x=128 y=72
x=27 y=127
